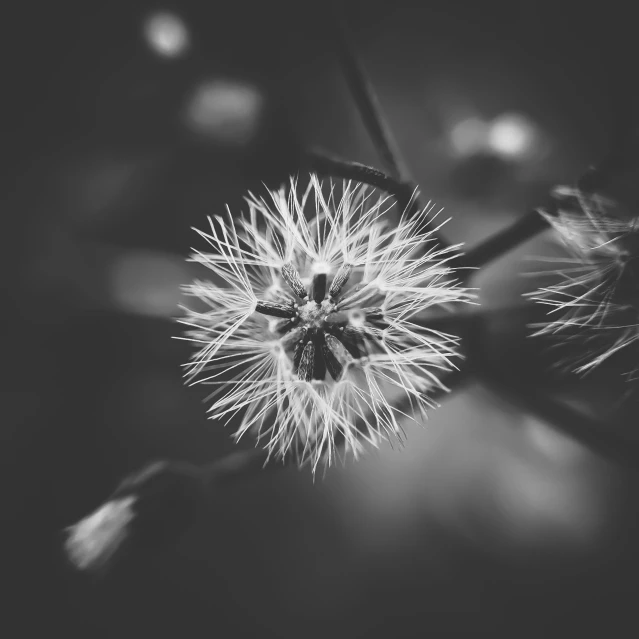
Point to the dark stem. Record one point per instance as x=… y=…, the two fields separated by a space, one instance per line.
x=372 y=116
x=365 y=96
x=331 y=166
x=525 y=228
x=622 y=156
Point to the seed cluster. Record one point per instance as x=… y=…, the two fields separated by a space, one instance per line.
x=323 y=336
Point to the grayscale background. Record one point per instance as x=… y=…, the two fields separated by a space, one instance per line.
x=124 y=124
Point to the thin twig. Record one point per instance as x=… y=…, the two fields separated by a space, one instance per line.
x=525 y=228
x=365 y=98
x=620 y=159
x=622 y=156
x=331 y=166
x=372 y=115
x=521 y=230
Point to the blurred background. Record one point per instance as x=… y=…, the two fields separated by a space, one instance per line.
x=123 y=125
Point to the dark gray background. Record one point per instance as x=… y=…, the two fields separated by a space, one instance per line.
x=490 y=523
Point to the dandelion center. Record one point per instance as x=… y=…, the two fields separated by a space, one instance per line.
x=311 y=324
x=315 y=315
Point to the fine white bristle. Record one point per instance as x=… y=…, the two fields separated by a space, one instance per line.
x=595 y=298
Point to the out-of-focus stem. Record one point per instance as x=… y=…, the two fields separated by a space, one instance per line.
x=591 y=433
x=525 y=228
x=365 y=97
x=594 y=434
x=372 y=115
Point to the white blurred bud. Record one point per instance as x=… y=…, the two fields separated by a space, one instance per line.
x=150 y=509
x=92 y=542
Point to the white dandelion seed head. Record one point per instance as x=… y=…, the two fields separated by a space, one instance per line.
x=310 y=337
x=595 y=300
x=95 y=539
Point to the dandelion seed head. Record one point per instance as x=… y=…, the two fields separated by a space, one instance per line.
x=310 y=340
x=594 y=304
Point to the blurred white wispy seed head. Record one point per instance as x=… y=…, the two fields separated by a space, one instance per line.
x=595 y=300
x=309 y=333
x=92 y=542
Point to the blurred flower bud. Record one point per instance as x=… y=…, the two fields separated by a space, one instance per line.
x=95 y=539
x=153 y=508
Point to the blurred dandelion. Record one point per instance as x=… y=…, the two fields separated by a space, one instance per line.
x=311 y=333
x=595 y=303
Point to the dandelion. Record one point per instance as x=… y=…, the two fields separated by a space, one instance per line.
x=595 y=303
x=310 y=331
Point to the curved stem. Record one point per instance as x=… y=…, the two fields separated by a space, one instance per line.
x=331 y=166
